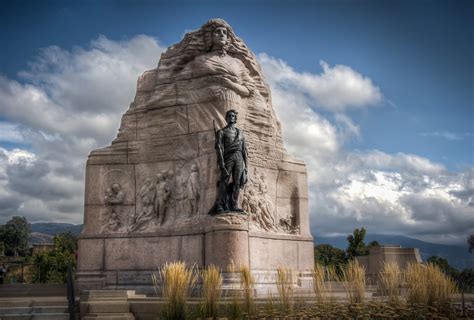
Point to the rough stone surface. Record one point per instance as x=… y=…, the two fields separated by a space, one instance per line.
x=148 y=194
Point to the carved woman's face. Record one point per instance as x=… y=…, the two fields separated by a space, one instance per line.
x=219 y=37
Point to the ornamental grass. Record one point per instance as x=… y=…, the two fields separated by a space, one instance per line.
x=176 y=280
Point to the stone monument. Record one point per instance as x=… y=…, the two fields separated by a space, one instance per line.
x=182 y=182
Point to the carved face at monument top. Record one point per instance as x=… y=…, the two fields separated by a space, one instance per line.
x=219 y=37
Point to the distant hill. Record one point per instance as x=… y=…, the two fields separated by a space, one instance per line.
x=39 y=238
x=458 y=256
x=53 y=228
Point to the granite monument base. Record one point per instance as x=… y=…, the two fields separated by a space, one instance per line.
x=127 y=261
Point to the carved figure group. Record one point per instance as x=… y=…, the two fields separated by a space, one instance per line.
x=257 y=202
x=156 y=196
x=114 y=197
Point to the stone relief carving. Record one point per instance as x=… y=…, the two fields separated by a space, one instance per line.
x=162 y=196
x=166 y=199
x=112 y=217
x=226 y=76
x=146 y=211
x=193 y=190
x=257 y=203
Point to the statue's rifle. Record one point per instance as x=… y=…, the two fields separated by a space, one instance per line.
x=219 y=150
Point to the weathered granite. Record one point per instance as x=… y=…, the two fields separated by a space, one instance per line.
x=148 y=193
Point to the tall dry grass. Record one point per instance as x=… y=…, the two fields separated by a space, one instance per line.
x=428 y=285
x=284 y=282
x=390 y=279
x=247 y=283
x=354 y=281
x=331 y=273
x=211 y=290
x=319 y=282
x=176 y=281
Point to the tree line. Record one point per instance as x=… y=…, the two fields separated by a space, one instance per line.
x=45 y=266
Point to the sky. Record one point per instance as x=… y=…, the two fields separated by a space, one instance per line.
x=375 y=96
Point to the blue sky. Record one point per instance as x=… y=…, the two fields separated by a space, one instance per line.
x=418 y=52
x=418 y=55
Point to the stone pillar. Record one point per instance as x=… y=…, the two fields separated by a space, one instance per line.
x=227 y=244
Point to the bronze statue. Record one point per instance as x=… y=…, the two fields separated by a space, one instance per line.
x=232 y=159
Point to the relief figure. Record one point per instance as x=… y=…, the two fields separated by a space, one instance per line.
x=146 y=212
x=162 y=197
x=114 y=197
x=193 y=190
x=227 y=75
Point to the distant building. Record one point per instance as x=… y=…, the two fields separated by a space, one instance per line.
x=378 y=255
x=41 y=247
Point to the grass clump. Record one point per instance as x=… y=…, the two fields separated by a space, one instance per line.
x=211 y=290
x=428 y=285
x=390 y=279
x=284 y=282
x=319 y=282
x=175 y=280
x=247 y=283
x=354 y=281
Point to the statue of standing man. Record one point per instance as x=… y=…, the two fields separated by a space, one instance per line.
x=232 y=159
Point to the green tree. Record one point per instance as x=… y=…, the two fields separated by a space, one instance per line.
x=357 y=245
x=51 y=266
x=374 y=243
x=443 y=264
x=327 y=255
x=14 y=234
x=470 y=242
x=466 y=279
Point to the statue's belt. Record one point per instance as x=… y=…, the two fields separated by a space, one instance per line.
x=231 y=150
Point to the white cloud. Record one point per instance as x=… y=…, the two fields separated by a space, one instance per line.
x=69 y=103
x=451 y=136
x=386 y=193
x=337 y=88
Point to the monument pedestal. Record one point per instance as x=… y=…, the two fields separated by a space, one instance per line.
x=127 y=261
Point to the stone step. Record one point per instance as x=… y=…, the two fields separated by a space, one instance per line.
x=30 y=310
x=33 y=290
x=33 y=302
x=36 y=316
x=109 y=307
x=108 y=316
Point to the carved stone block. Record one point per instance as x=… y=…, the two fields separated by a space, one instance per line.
x=162 y=122
x=100 y=177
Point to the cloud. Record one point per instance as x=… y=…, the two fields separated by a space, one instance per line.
x=386 y=193
x=451 y=136
x=338 y=88
x=10 y=132
x=68 y=103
